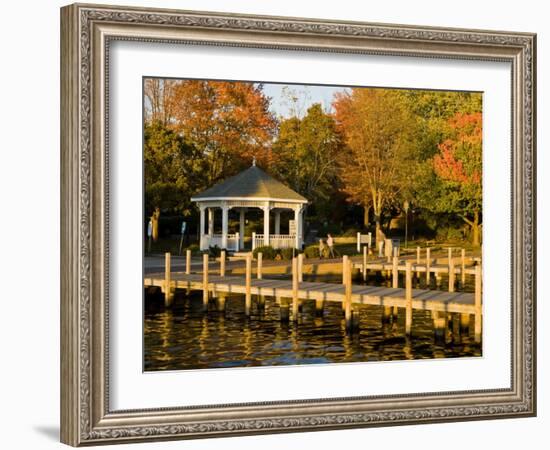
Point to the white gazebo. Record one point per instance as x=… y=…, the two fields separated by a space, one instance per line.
x=252 y=188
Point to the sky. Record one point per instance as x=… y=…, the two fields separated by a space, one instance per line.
x=307 y=95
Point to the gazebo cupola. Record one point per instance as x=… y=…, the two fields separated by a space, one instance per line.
x=252 y=188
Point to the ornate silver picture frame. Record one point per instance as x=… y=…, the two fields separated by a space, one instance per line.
x=87 y=32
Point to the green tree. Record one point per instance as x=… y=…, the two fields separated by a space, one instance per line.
x=173 y=170
x=306 y=153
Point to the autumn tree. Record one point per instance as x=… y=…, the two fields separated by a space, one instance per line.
x=306 y=151
x=229 y=122
x=458 y=168
x=378 y=131
x=433 y=112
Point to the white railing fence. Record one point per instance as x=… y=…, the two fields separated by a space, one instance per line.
x=275 y=240
x=212 y=240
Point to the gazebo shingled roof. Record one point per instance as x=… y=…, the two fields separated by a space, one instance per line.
x=251 y=183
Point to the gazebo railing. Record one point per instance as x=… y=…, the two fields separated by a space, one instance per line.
x=212 y=240
x=275 y=240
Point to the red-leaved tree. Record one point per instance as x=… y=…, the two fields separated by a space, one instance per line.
x=458 y=167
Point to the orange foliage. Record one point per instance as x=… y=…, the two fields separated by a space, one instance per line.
x=231 y=121
x=459 y=159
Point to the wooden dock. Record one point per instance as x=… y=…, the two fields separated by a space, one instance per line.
x=440 y=301
x=217 y=284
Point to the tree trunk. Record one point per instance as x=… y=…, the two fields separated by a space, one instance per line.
x=366 y=216
x=378 y=221
x=475 y=230
x=377 y=210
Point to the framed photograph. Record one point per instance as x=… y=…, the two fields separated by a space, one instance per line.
x=279 y=224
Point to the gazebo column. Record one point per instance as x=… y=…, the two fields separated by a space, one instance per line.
x=225 y=225
x=201 y=228
x=241 y=227
x=210 y=221
x=278 y=222
x=266 y=224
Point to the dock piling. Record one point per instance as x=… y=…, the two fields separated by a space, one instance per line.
x=260 y=258
x=205 y=281
x=440 y=328
x=300 y=267
x=463 y=270
x=451 y=276
x=188 y=262
x=222 y=263
x=395 y=285
x=319 y=306
x=417 y=261
x=295 y=289
x=408 y=298
x=395 y=272
x=344 y=260
x=248 y=283
x=261 y=302
x=464 y=322
x=365 y=250
x=220 y=302
x=387 y=314
x=168 y=294
x=348 y=291
x=455 y=323
x=344 y=279
x=428 y=267
x=477 y=304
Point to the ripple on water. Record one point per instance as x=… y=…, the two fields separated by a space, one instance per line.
x=184 y=337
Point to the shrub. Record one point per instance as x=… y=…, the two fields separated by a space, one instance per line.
x=312 y=251
x=449 y=234
x=195 y=249
x=214 y=251
x=267 y=251
x=288 y=253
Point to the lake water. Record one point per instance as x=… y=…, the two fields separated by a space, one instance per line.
x=184 y=337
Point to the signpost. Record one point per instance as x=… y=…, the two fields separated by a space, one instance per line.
x=364 y=239
x=149 y=235
x=292 y=232
x=406 y=206
x=292 y=227
x=183 y=226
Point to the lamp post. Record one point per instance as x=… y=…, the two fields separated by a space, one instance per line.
x=406 y=207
